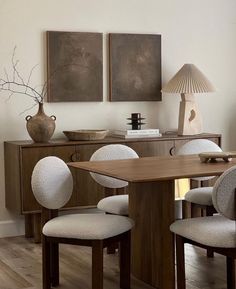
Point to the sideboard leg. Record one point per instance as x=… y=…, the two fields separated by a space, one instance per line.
x=37 y=228
x=29 y=232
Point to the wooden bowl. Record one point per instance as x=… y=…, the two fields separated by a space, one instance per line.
x=86 y=134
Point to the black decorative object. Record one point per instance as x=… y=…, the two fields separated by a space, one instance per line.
x=136 y=120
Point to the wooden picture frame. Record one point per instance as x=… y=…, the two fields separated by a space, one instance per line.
x=74 y=66
x=135 y=67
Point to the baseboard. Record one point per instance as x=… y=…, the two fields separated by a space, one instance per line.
x=11 y=228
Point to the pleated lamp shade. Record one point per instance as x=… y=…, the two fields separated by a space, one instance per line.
x=189 y=79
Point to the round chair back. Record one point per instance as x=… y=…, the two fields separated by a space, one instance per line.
x=224 y=194
x=52 y=182
x=197 y=146
x=112 y=152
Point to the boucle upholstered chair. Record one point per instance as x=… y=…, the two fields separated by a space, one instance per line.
x=52 y=185
x=199 y=197
x=116 y=204
x=216 y=232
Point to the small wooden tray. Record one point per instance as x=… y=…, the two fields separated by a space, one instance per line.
x=213 y=156
x=86 y=134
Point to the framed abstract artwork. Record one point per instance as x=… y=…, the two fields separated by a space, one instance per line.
x=74 y=66
x=135 y=67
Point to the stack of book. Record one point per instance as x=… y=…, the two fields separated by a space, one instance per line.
x=139 y=133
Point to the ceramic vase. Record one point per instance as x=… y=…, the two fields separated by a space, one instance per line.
x=40 y=126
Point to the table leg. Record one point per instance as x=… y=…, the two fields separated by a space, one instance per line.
x=151 y=206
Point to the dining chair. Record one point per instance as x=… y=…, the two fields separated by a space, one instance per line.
x=52 y=185
x=217 y=232
x=201 y=197
x=116 y=201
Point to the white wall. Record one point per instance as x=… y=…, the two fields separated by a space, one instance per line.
x=200 y=32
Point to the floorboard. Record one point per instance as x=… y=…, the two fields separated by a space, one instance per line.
x=20 y=267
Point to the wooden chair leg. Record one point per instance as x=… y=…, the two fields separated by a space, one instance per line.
x=46 y=263
x=195 y=211
x=29 y=232
x=37 y=228
x=125 y=261
x=55 y=264
x=210 y=253
x=210 y=210
x=97 y=265
x=231 y=275
x=180 y=263
x=186 y=209
x=112 y=248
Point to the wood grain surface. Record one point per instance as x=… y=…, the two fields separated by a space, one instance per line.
x=155 y=168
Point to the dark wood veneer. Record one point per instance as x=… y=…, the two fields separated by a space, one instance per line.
x=21 y=157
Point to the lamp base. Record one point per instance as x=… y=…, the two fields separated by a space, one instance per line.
x=190 y=121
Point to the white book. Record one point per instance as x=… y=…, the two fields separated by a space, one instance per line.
x=137 y=132
x=137 y=136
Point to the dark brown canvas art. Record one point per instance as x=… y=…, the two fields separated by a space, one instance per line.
x=135 y=67
x=75 y=66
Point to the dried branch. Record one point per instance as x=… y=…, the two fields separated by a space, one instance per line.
x=29 y=108
x=10 y=87
x=31 y=71
x=17 y=85
x=14 y=64
x=60 y=68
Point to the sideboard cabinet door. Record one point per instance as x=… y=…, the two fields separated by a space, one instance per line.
x=152 y=148
x=90 y=192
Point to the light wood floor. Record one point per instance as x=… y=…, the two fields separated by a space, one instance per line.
x=20 y=267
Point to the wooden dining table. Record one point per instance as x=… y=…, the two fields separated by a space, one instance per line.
x=151 y=206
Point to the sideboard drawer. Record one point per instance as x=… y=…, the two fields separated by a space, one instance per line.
x=152 y=148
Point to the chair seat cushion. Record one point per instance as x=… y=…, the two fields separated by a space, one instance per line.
x=215 y=231
x=115 y=205
x=200 y=196
x=87 y=226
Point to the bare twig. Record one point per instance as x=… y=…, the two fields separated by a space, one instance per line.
x=32 y=92
x=9 y=96
x=16 y=84
x=29 y=108
x=6 y=74
x=60 y=68
x=31 y=71
x=14 y=64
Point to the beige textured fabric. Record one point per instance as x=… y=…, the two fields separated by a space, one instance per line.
x=115 y=205
x=112 y=152
x=216 y=231
x=189 y=79
x=52 y=182
x=200 y=196
x=224 y=194
x=87 y=226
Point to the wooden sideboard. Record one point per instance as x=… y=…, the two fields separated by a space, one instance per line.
x=21 y=157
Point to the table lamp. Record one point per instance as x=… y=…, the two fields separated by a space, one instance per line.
x=187 y=81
